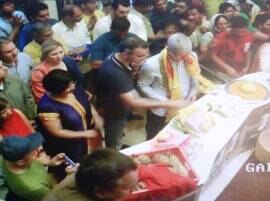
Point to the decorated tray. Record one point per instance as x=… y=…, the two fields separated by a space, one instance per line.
x=248 y=90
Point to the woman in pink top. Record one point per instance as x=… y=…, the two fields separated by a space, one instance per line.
x=52 y=58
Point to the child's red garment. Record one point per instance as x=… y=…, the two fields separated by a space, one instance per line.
x=164 y=184
x=17 y=124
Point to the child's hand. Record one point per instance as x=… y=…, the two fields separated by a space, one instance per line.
x=57 y=160
x=72 y=169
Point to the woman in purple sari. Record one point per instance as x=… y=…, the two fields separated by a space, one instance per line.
x=65 y=116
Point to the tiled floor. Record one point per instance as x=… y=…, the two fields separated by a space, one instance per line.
x=135 y=131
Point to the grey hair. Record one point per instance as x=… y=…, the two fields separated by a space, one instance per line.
x=179 y=42
x=40 y=27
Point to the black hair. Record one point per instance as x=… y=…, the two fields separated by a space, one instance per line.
x=224 y=6
x=238 y=22
x=56 y=81
x=131 y=43
x=120 y=24
x=185 y=1
x=183 y=25
x=79 y=2
x=106 y=3
x=155 y=1
x=2 y=2
x=199 y=8
x=102 y=169
x=141 y=2
x=39 y=27
x=261 y=19
x=68 y=10
x=34 y=9
x=168 y=22
x=242 y=1
x=219 y=17
x=3 y=105
x=116 y=3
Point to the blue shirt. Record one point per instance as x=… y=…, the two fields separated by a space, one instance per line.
x=106 y=44
x=26 y=34
x=5 y=25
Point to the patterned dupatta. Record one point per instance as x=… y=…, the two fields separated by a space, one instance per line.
x=172 y=80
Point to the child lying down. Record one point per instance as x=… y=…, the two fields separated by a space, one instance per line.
x=164 y=175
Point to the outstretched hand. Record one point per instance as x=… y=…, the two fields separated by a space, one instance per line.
x=192 y=96
x=232 y=72
x=177 y=104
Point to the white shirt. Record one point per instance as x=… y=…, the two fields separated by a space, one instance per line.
x=146 y=21
x=78 y=36
x=151 y=82
x=263 y=58
x=103 y=25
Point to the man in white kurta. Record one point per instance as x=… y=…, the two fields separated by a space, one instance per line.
x=120 y=9
x=71 y=30
x=152 y=84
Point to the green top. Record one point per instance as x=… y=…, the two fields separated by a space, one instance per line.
x=249 y=25
x=66 y=190
x=18 y=96
x=33 y=184
x=212 y=6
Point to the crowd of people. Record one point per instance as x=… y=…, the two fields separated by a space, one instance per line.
x=63 y=81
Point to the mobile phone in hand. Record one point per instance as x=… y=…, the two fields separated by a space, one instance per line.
x=69 y=161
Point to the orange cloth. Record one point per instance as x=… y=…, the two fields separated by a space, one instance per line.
x=171 y=78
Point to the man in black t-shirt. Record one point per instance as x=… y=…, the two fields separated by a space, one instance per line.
x=116 y=94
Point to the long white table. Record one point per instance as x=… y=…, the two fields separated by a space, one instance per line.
x=210 y=152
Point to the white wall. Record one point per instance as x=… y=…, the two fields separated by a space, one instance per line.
x=52 y=8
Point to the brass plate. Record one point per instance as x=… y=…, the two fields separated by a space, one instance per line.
x=248 y=90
